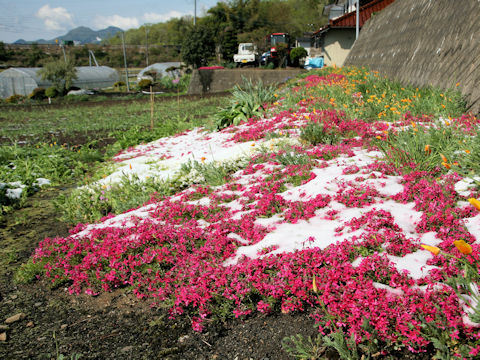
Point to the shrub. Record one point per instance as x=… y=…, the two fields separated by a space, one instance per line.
x=119 y=85
x=51 y=92
x=296 y=54
x=247 y=101
x=15 y=99
x=314 y=133
x=144 y=84
x=38 y=94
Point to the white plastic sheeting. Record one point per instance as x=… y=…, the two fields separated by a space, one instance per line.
x=22 y=81
x=160 y=69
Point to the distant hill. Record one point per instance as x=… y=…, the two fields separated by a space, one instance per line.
x=80 y=35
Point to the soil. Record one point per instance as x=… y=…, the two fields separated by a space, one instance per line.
x=112 y=325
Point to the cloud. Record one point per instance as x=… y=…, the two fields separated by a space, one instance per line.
x=124 y=23
x=156 y=18
x=54 y=18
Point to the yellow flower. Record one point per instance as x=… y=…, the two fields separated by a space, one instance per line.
x=475 y=203
x=463 y=247
x=378 y=137
x=314 y=285
x=433 y=249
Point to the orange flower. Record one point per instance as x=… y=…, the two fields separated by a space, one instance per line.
x=463 y=247
x=428 y=150
x=378 y=137
x=433 y=249
x=475 y=203
x=444 y=159
x=467 y=151
x=314 y=285
x=202 y=159
x=447 y=165
x=130 y=166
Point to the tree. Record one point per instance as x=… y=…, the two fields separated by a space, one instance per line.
x=61 y=73
x=229 y=44
x=198 y=46
x=3 y=52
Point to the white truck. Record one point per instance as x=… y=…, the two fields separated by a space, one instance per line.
x=247 y=54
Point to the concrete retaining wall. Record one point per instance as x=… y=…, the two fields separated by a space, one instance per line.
x=425 y=42
x=225 y=79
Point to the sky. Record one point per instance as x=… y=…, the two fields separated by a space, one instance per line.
x=32 y=19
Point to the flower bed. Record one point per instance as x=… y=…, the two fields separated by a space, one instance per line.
x=292 y=225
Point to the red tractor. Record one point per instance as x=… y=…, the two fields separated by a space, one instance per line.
x=272 y=55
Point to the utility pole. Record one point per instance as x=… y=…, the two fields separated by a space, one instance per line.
x=146 y=42
x=125 y=62
x=195 y=14
x=357 y=25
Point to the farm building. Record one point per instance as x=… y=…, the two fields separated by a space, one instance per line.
x=22 y=81
x=335 y=40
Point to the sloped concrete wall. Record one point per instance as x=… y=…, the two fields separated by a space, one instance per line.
x=226 y=79
x=425 y=42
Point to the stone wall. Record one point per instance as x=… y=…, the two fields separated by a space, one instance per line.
x=222 y=80
x=425 y=42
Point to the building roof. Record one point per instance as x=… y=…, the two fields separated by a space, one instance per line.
x=349 y=20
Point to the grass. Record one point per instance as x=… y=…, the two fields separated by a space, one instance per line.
x=98 y=121
x=65 y=145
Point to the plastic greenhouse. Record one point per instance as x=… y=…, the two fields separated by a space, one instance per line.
x=160 y=68
x=22 y=81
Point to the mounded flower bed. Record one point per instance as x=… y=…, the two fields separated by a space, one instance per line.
x=323 y=202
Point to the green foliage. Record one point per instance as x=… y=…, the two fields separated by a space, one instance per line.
x=198 y=46
x=296 y=54
x=282 y=52
x=247 y=101
x=315 y=134
x=346 y=347
x=4 y=55
x=51 y=92
x=229 y=44
x=145 y=84
x=27 y=272
x=91 y=203
x=15 y=99
x=119 y=86
x=38 y=94
x=61 y=73
x=407 y=147
x=304 y=348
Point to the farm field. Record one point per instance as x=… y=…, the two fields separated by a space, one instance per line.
x=333 y=217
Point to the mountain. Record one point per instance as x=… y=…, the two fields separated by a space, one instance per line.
x=80 y=35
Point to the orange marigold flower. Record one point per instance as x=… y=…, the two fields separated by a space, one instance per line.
x=447 y=165
x=463 y=247
x=130 y=166
x=378 y=137
x=467 y=151
x=475 y=203
x=203 y=158
x=433 y=249
x=428 y=150
x=444 y=159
